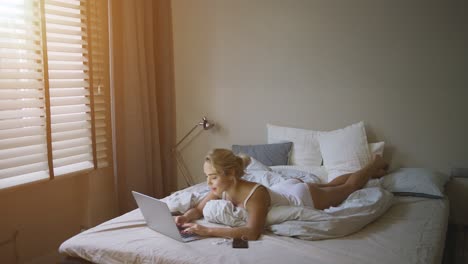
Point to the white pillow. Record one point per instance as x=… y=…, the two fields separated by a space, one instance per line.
x=344 y=150
x=305 y=150
x=376 y=149
x=415 y=182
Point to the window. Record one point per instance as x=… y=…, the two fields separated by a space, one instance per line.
x=54 y=92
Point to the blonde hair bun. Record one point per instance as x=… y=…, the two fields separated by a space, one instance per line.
x=224 y=161
x=245 y=160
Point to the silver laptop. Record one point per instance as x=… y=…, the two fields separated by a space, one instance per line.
x=159 y=218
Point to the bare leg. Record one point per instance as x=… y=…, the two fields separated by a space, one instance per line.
x=335 y=182
x=326 y=196
x=344 y=178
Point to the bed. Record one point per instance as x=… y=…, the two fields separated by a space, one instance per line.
x=412 y=230
x=400 y=218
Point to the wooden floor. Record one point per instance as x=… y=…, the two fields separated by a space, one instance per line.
x=456 y=245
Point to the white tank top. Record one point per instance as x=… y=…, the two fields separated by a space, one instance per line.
x=248 y=196
x=289 y=192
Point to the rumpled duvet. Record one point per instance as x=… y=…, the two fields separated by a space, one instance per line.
x=359 y=209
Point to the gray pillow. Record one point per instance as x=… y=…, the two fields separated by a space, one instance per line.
x=268 y=154
x=419 y=182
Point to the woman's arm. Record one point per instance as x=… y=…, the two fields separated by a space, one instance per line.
x=257 y=207
x=195 y=212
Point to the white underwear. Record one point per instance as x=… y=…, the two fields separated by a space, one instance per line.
x=290 y=192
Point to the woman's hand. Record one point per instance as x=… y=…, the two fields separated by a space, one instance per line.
x=181 y=220
x=196 y=229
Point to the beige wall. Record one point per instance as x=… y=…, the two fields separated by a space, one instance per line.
x=47 y=213
x=398 y=65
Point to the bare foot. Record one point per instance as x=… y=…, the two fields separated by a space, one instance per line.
x=381 y=167
x=380 y=163
x=379 y=174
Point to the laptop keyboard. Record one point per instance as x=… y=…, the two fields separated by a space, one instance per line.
x=185 y=235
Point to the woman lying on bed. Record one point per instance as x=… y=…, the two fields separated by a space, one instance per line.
x=224 y=170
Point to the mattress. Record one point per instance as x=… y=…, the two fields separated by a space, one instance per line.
x=411 y=231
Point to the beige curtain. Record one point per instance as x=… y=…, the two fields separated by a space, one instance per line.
x=144 y=98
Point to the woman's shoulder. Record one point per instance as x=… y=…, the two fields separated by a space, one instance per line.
x=262 y=189
x=257 y=193
x=253 y=186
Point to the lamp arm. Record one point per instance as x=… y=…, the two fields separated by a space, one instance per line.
x=183 y=168
x=180 y=141
x=205 y=124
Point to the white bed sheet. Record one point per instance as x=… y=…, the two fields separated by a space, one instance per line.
x=412 y=231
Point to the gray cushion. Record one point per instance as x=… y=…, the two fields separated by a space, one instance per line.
x=419 y=182
x=268 y=154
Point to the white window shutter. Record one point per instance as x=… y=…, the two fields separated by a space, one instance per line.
x=54 y=88
x=70 y=102
x=23 y=137
x=98 y=26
